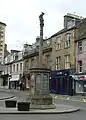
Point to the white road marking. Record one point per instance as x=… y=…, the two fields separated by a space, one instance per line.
x=68 y=98
x=84 y=100
x=55 y=97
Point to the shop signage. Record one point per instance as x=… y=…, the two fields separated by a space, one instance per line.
x=80 y=77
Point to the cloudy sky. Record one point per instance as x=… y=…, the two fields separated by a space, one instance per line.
x=22 y=18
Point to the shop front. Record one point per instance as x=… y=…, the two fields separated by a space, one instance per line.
x=14 y=82
x=61 y=82
x=80 y=83
x=5 y=79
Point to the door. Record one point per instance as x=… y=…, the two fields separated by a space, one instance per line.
x=61 y=85
x=64 y=85
x=84 y=86
x=58 y=85
x=54 y=85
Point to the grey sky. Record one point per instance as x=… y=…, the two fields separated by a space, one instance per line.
x=21 y=17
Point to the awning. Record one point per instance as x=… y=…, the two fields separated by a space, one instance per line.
x=14 y=78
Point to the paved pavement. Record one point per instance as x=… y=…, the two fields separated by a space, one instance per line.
x=77 y=98
x=20 y=95
x=6 y=96
x=60 y=109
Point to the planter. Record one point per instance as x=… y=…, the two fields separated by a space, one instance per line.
x=23 y=106
x=10 y=103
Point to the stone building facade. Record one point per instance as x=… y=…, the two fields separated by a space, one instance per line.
x=31 y=58
x=13 y=69
x=63 y=44
x=58 y=50
x=63 y=53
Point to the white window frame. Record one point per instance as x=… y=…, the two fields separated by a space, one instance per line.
x=79 y=47
x=58 y=43
x=17 y=67
x=67 y=41
x=10 y=69
x=14 y=68
x=80 y=66
x=58 y=61
x=67 y=61
x=48 y=60
x=21 y=66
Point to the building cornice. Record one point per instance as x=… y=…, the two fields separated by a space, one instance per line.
x=15 y=61
x=37 y=53
x=62 y=31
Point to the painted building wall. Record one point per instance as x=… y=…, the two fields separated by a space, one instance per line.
x=81 y=56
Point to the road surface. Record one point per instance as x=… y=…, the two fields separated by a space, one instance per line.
x=80 y=115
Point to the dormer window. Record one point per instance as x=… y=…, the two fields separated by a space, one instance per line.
x=70 y=24
x=16 y=56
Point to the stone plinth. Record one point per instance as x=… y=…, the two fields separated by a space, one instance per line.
x=42 y=100
x=39 y=89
